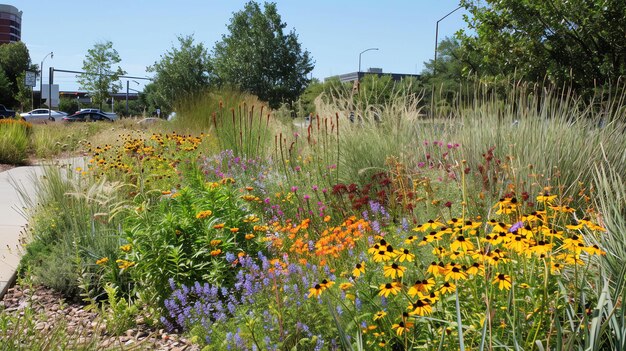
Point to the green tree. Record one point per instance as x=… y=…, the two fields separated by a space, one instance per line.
x=259 y=57
x=14 y=60
x=183 y=71
x=101 y=78
x=581 y=42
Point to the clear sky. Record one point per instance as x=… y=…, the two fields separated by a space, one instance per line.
x=333 y=31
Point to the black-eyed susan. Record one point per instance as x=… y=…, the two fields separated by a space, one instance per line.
x=436 y=269
x=405 y=255
x=447 y=288
x=594 y=250
x=359 y=269
x=390 y=288
x=394 y=271
x=380 y=314
x=461 y=243
x=546 y=198
x=316 y=291
x=455 y=272
x=325 y=283
x=503 y=281
x=410 y=239
x=476 y=268
x=421 y=286
x=431 y=224
x=402 y=327
x=421 y=307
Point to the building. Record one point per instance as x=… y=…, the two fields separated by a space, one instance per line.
x=353 y=76
x=10 y=24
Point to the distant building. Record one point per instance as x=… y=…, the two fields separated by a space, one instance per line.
x=10 y=24
x=351 y=77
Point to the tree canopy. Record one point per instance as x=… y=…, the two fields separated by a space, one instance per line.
x=14 y=60
x=182 y=71
x=259 y=57
x=578 y=42
x=101 y=78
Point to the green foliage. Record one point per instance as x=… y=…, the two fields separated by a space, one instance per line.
x=69 y=105
x=118 y=314
x=101 y=78
x=73 y=228
x=259 y=57
x=14 y=60
x=182 y=72
x=568 y=42
x=14 y=141
x=184 y=237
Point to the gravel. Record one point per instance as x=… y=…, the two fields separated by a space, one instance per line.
x=81 y=325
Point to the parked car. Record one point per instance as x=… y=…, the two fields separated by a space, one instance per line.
x=6 y=113
x=112 y=115
x=88 y=116
x=42 y=114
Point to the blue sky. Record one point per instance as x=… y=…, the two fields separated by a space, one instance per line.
x=333 y=31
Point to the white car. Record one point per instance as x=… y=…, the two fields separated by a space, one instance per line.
x=42 y=114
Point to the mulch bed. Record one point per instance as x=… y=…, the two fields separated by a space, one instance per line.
x=81 y=325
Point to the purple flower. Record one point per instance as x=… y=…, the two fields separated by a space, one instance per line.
x=314 y=187
x=294 y=189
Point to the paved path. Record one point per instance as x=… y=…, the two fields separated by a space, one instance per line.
x=13 y=217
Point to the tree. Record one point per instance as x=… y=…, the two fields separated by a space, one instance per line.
x=14 y=60
x=579 y=42
x=257 y=56
x=100 y=78
x=182 y=72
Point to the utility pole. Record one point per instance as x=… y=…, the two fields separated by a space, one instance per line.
x=437 y=37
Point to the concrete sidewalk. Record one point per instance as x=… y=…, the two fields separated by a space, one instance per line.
x=13 y=218
x=13 y=213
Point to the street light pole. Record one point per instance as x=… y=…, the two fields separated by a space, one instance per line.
x=358 y=74
x=51 y=54
x=437 y=37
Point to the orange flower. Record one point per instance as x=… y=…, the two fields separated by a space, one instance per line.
x=216 y=252
x=234 y=230
x=219 y=226
x=249 y=236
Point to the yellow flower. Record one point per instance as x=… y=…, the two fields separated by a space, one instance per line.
x=216 y=252
x=123 y=264
x=406 y=255
x=215 y=242
x=234 y=230
x=204 y=214
x=102 y=261
x=249 y=236
x=503 y=281
x=345 y=286
x=447 y=287
x=402 y=327
x=219 y=226
x=394 y=271
x=421 y=286
x=461 y=243
x=421 y=307
x=379 y=315
x=359 y=269
x=390 y=288
x=316 y=290
x=126 y=248
x=546 y=197
x=455 y=273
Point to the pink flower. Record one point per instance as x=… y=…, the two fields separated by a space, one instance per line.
x=294 y=189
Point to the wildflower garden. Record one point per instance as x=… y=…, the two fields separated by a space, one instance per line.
x=496 y=225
